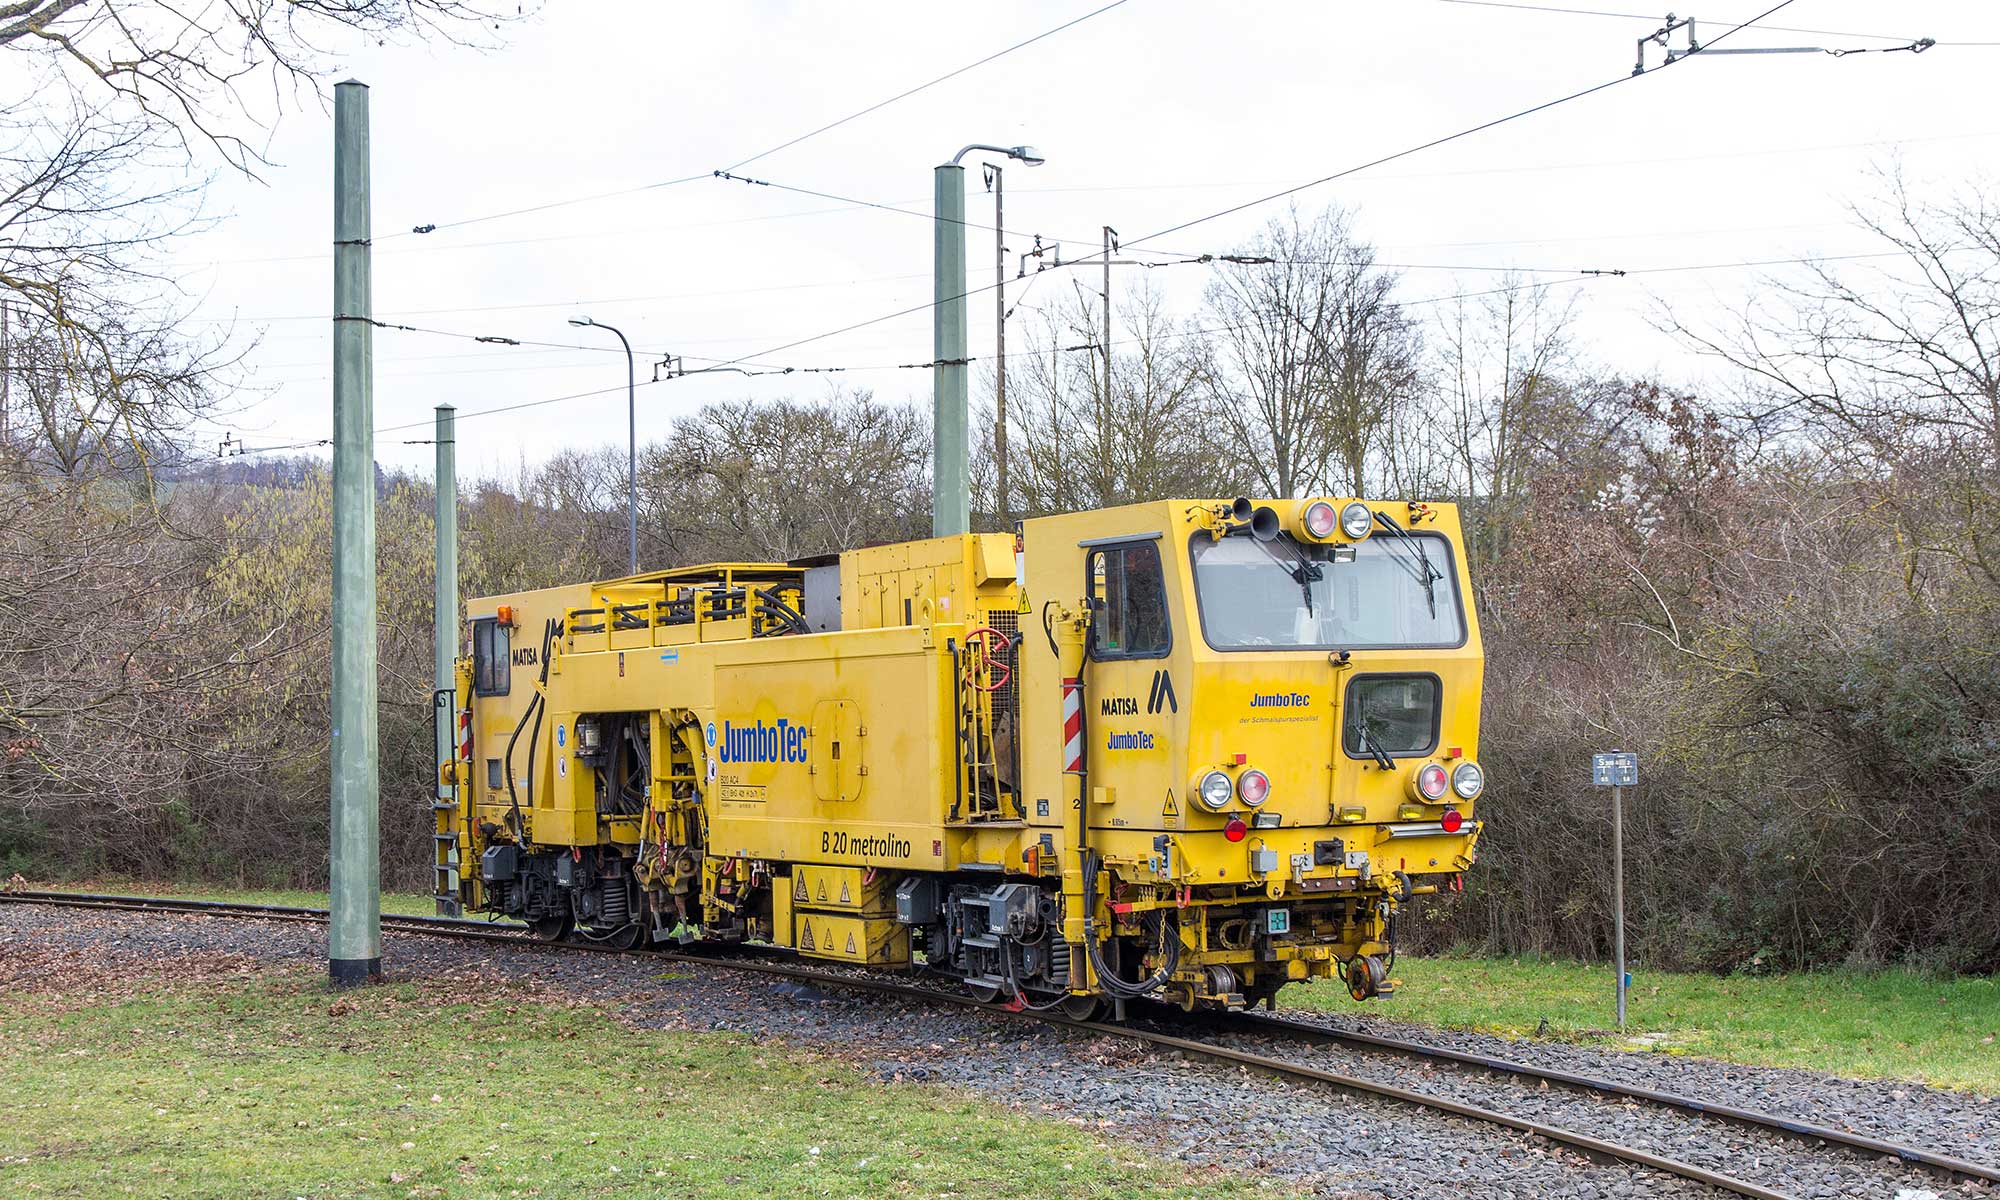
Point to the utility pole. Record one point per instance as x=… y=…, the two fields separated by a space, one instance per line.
x=444 y=604
x=1110 y=248
x=354 y=925
x=951 y=503
x=999 y=345
x=951 y=498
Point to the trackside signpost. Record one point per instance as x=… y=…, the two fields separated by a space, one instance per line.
x=1617 y=770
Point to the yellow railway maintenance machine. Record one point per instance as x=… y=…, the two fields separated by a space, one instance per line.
x=1191 y=749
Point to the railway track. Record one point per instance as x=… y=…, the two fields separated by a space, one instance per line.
x=1253 y=1025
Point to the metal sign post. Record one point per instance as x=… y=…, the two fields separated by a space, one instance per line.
x=1617 y=770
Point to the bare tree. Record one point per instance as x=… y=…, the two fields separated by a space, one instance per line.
x=1891 y=371
x=181 y=71
x=1075 y=446
x=110 y=113
x=786 y=478
x=1505 y=398
x=1314 y=363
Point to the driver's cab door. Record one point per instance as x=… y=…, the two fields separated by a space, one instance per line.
x=1133 y=699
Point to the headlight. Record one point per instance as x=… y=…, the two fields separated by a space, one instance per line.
x=1356 y=520
x=1216 y=790
x=1467 y=779
x=1253 y=787
x=1319 y=519
x=1431 y=782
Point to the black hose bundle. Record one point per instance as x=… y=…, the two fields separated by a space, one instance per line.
x=1170 y=945
x=532 y=713
x=777 y=610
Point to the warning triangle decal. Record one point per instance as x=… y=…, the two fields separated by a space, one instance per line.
x=850 y=943
x=843 y=893
x=822 y=891
x=806 y=936
x=798 y=887
x=1170 y=809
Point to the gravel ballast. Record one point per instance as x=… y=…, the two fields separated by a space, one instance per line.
x=1307 y=1138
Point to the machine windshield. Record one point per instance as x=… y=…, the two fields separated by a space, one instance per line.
x=1282 y=594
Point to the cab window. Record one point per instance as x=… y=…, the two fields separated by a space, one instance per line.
x=1131 y=594
x=492 y=671
x=1396 y=715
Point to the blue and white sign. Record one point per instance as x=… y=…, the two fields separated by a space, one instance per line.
x=1620 y=768
x=711 y=733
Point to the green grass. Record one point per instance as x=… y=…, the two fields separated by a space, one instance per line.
x=1879 y=1024
x=272 y=1087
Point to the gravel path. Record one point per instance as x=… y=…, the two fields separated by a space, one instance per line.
x=1309 y=1139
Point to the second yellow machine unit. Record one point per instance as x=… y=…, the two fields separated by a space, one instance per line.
x=1191 y=749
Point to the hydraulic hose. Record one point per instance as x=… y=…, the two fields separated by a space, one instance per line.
x=1170 y=948
x=531 y=713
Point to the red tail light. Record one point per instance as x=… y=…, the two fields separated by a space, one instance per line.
x=1453 y=820
x=1235 y=830
x=1432 y=781
x=1253 y=786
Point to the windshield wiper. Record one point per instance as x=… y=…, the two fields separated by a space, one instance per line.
x=1372 y=747
x=1420 y=567
x=1305 y=575
x=1304 y=571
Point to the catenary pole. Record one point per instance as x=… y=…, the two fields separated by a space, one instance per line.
x=354 y=929
x=1000 y=346
x=951 y=506
x=444 y=607
x=444 y=603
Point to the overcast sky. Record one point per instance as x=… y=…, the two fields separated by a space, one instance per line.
x=1150 y=114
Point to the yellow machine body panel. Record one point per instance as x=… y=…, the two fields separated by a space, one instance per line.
x=1194 y=748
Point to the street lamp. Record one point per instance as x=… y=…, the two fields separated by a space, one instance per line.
x=951 y=501
x=631 y=449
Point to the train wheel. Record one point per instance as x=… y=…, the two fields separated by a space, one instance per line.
x=553 y=929
x=1082 y=1008
x=1365 y=976
x=620 y=937
x=985 y=993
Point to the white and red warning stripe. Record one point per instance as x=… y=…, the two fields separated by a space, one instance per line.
x=1072 y=726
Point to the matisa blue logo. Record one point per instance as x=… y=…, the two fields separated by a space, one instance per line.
x=1129 y=741
x=761 y=743
x=1280 y=700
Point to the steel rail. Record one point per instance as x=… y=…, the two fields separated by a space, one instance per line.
x=1957 y=1169
x=1595 y=1148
